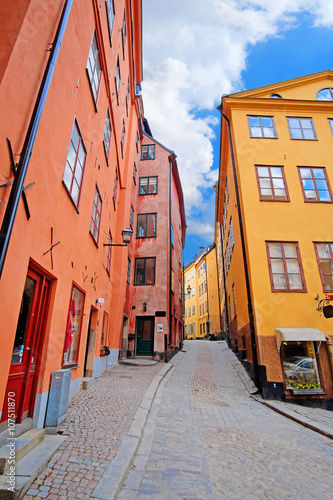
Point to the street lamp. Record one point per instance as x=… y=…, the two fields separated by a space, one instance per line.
x=126 y=235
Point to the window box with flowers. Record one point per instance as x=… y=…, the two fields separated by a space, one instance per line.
x=306 y=389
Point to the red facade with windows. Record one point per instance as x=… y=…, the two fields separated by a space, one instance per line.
x=63 y=291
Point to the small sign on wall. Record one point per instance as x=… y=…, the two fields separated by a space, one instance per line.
x=159 y=328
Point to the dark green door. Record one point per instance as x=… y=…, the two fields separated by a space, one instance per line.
x=144 y=335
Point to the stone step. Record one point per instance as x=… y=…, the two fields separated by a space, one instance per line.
x=18 y=480
x=16 y=448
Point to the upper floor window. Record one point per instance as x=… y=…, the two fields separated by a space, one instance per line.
x=115 y=188
x=325 y=94
x=95 y=221
x=285 y=267
x=127 y=96
x=132 y=217
x=272 y=183
x=75 y=163
x=148 y=152
x=117 y=78
x=172 y=236
x=107 y=134
x=135 y=172
x=315 y=185
x=262 y=126
x=330 y=121
x=148 y=185
x=128 y=270
x=172 y=280
x=146 y=226
x=275 y=96
x=123 y=33
x=122 y=139
x=144 y=271
x=324 y=253
x=301 y=128
x=94 y=69
x=137 y=141
x=111 y=15
x=108 y=257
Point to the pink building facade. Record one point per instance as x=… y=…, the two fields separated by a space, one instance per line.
x=153 y=322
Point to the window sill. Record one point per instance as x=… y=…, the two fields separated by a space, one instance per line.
x=70 y=366
x=306 y=392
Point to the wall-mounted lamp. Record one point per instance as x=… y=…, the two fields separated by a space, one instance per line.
x=145 y=306
x=126 y=235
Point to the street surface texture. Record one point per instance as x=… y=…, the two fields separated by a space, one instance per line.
x=96 y=423
x=206 y=438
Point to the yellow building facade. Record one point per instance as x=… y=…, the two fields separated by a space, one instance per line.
x=190 y=302
x=274 y=206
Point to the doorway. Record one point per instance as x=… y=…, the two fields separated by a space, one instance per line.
x=145 y=335
x=28 y=345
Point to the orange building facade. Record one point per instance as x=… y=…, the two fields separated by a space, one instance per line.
x=274 y=201
x=72 y=112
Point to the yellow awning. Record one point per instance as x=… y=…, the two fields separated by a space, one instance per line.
x=298 y=335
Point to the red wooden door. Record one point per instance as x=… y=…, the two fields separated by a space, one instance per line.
x=26 y=354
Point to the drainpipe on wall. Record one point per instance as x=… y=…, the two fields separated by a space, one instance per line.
x=246 y=271
x=25 y=155
x=170 y=253
x=329 y=346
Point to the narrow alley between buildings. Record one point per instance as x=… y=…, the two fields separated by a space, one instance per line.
x=204 y=437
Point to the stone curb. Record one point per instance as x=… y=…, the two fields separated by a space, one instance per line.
x=294 y=416
x=112 y=480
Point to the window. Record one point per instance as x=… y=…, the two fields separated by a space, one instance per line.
x=192 y=273
x=108 y=257
x=122 y=139
x=172 y=280
x=262 y=126
x=75 y=163
x=192 y=291
x=148 y=152
x=301 y=128
x=275 y=96
x=271 y=183
x=137 y=141
x=111 y=14
x=124 y=34
x=117 y=78
x=286 y=272
x=189 y=311
x=324 y=253
x=172 y=236
x=132 y=217
x=144 y=271
x=148 y=185
x=330 y=121
x=105 y=326
x=73 y=328
x=115 y=188
x=96 y=215
x=128 y=270
x=107 y=134
x=231 y=232
x=300 y=365
x=193 y=309
x=315 y=185
x=94 y=69
x=135 y=173
x=146 y=226
x=127 y=96
x=234 y=298
x=325 y=94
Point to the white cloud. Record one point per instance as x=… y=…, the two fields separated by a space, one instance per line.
x=194 y=52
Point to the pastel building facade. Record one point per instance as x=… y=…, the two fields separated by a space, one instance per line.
x=273 y=211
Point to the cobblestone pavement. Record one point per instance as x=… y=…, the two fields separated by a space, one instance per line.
x=206 y=438
x=96 y=423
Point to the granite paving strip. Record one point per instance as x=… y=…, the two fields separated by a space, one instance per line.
x=97 y=422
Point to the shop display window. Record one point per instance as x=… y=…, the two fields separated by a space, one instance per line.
x=73 y=327
x=300 y=366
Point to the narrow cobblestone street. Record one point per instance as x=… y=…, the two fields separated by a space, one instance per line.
x=205 y=437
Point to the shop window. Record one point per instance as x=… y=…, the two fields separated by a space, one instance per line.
x=300 y=366
x=105 y=325
x=73 y=328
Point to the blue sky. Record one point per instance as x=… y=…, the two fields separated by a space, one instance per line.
x=212 y=48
